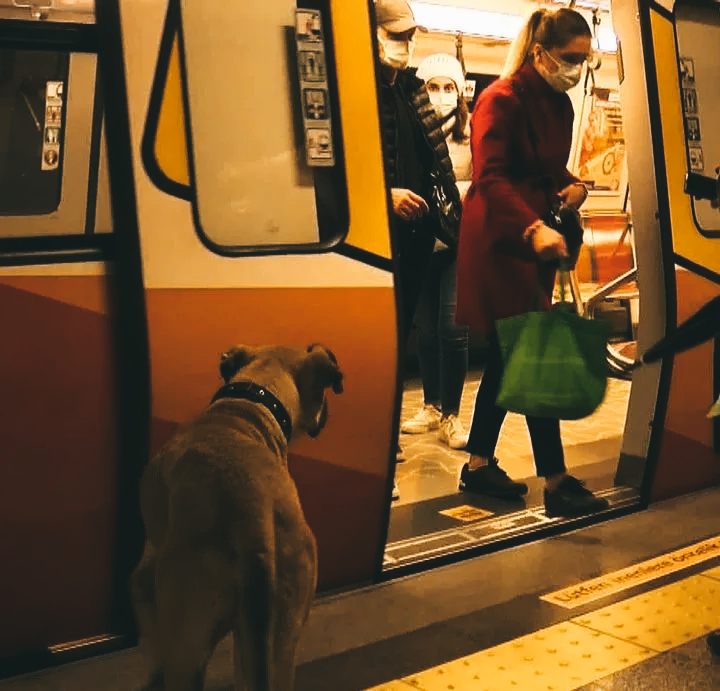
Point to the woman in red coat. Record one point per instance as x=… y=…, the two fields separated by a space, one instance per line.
x=504 y=246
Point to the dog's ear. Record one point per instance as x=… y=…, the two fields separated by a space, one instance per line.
x=232 y=361
x=325 y=369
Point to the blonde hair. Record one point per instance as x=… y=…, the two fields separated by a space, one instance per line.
x=549 y=28
x=520 y=47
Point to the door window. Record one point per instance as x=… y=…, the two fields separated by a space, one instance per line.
x=33 y=88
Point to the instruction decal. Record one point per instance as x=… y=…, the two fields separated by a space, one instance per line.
x=53 y=122
x=315 y=95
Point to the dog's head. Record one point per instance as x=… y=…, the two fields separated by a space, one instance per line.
x=311 y=371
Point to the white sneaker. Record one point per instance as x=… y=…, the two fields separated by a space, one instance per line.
x=395 y=492
x=452 y=432
x=427 y=418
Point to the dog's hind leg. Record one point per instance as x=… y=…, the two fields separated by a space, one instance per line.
x=195 y=603
x=273 y=611
x=253 y=627
x=142 y=586
x=296 y=592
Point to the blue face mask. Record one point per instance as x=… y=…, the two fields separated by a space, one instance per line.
x=566 y=77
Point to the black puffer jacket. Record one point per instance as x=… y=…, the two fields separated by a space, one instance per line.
x=434 y=156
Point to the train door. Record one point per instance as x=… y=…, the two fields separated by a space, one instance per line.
x=68 y=417
x=433 y=520
x=251 y=133
x=670 y=67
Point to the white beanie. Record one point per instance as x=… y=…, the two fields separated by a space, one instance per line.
x=442 y=65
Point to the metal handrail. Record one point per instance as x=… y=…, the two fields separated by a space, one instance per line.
x=587 y=308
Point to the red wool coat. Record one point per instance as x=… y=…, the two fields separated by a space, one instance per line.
x=496 y=269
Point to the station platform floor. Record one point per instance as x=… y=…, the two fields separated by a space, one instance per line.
x=625 y=604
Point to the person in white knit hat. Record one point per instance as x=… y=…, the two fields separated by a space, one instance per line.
x=445 y=80
x=442 y=344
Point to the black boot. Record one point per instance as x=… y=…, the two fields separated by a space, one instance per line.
x=570 y=499
x=491 y=480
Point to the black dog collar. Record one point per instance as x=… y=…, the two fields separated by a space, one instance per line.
x=246 y=390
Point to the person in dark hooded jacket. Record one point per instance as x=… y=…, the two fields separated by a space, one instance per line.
x=416 y=156
x=415 y=148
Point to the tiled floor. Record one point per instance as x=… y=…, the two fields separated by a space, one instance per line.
x=431 y=468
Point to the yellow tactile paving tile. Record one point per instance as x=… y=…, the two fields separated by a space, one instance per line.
x=664 y=618
x=558 y=658
x=577 y=652
x=571 y=654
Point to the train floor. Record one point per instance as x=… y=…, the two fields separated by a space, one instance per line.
x=432 y=468
x=432 y=516
x=625 y=604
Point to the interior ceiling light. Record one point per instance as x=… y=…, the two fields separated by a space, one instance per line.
x=453 y=20
x=587 y=4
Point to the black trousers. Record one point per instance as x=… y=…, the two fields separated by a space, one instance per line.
x=488 y=419
x=442 y=344
x=414 y=249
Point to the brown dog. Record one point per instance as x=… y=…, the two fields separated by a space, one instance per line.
x=228 y=548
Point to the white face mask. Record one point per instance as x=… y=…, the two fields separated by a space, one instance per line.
x=444 y=103
x=395 y=54
x=566 y=77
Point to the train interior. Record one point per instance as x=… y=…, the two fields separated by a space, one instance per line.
x=424 y=520
x=129 y=260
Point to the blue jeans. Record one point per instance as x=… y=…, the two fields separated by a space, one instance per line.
x=442 y=344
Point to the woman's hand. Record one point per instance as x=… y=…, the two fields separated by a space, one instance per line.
x=547 y=243
x=407 y=204
x=574 y=195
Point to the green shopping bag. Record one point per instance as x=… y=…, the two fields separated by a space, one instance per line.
x=555 y=363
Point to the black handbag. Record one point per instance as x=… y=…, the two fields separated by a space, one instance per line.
x=445 y=210
x=566 y=221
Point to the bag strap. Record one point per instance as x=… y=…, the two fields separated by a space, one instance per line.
x=563 y=272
